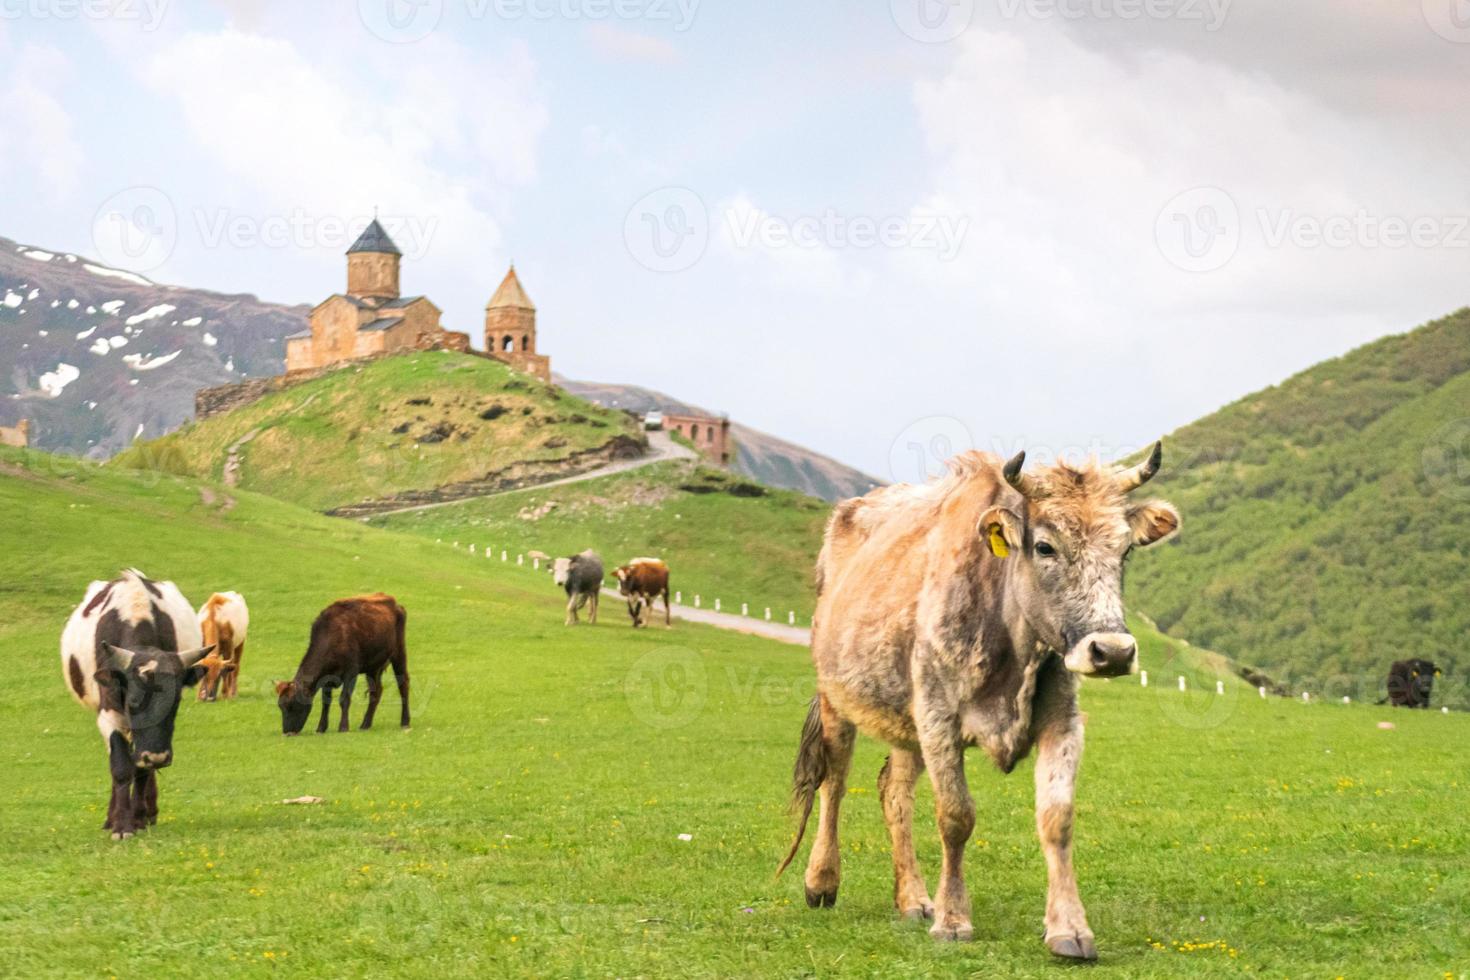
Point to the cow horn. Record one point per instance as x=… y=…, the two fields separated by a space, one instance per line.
x=192 y=657
x=116 y=658
x=1012 y=472
x=1136 y=476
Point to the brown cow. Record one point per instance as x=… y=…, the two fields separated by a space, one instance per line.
x=961 y=613
x=642 y=581
x=224 y=621
x=19 y=437
x=362 y=635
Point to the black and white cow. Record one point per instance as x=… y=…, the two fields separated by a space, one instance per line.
x=127 y=652
x=581 y=576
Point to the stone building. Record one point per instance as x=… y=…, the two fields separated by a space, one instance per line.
x=372 y=317
x=710 y=435
x=510 y=329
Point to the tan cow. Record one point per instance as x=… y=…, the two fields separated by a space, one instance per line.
x=19 y=437
x=960 y=614
x=224 y=621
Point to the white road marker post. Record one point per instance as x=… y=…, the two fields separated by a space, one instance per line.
x=768 y=614
x=1262 y=690
x=1143 y=678
x=717 y=605
x=696 y=600
x=791 y=618
x=745 y=609
x=1181 y=682
x=678 y=598
x=1219 y=687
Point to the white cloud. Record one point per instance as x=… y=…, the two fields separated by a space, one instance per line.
x=624 y=45
x=433 y=141
x=38 y=130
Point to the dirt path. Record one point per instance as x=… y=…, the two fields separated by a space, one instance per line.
x=799 y=635
x=661 y=448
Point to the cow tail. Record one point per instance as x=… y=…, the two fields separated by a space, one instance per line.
x=807 y=775
x=400 y=624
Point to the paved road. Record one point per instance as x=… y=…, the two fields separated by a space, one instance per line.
x=661 y=448
x=799 y=635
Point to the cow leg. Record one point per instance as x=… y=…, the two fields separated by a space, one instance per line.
x=321 y=726
x=571 y=609
x=944 y=755
x=823 y=868
x=668 y=616
x=232 y=679
x=145 y=798
x=345 y=701
x=1059 y=751
x=896 y=789
x=375 y=694
x=400 y=675
x=120 y=818
x=592 y=610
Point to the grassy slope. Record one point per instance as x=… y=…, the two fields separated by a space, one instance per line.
x=331 y=441
x=528 y=824
x=759 y=550
x=1327 y=520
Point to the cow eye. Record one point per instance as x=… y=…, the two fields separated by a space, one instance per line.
x=1045 y=550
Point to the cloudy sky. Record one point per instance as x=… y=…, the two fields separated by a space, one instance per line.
x=885 y=229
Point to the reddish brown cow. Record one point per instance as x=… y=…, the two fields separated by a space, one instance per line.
x=362 y=635
x=642 y=581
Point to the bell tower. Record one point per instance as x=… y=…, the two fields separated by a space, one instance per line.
x=510 y=319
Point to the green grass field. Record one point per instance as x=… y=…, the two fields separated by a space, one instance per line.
x=529 y=824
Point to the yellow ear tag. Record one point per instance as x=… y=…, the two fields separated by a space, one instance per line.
x=998 y=542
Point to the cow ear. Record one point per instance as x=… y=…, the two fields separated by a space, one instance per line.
x=1152 y=521
x=1000 y=529
x=282 y=687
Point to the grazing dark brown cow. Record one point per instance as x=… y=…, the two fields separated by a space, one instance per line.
x=362 y=635
x=641 y=581
x=960 y=614
x=127 y=653
x=1410 y=683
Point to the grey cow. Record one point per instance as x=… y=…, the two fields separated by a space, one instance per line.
x=581 y=577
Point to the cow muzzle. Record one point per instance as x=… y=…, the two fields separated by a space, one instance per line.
x=154 y=760
x=1103 y=655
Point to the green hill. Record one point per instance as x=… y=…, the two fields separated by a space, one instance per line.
x=610 y=801
x=1327 y=520
x=414 y=427
x=723 y=536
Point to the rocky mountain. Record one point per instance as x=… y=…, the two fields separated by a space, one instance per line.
x=758 y=455
x=96 y=356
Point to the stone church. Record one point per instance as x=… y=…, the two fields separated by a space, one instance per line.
x=372 y=317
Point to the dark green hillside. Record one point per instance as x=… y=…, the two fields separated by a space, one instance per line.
x=1327 y=519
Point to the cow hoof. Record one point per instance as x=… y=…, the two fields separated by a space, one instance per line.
x=1072 y=947
x=121 y=834
x=961 y=932
x=820 y=900
x=918 y=913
